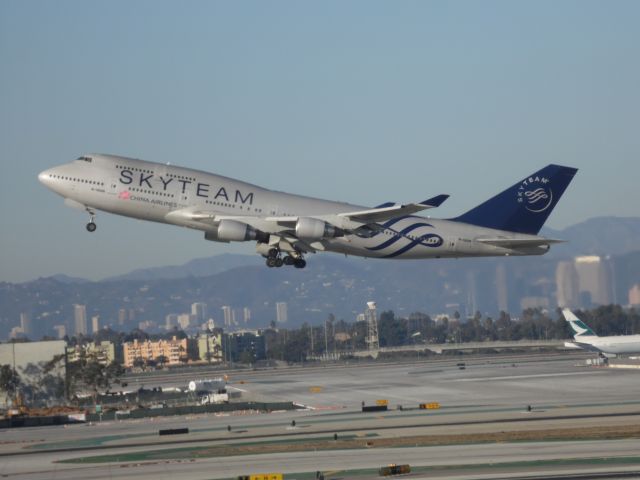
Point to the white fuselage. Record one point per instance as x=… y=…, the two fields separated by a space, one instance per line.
x=618 y=344
x=158 y=192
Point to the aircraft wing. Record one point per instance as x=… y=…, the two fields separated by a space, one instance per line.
x=381 y=214
x=284 y=229
x=518 y=242
x=276 y=224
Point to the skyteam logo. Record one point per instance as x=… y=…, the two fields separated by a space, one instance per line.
x=431 y=240
x=535 y=194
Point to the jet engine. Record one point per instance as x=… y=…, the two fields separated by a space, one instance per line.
x=314 y=229
x=234 y=231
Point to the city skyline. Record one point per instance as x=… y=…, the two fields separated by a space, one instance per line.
x=581 y=282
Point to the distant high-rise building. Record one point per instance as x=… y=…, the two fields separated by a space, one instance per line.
x=95 y=324
x=501 y=288
x=361 y=317
x=199 y=312
x=593 y=279
x=80 y=319
x=25 y=323
x=147 y=325
x=171 y=321
x=634 y=295
x=208 y=325
x=227 y=312
x=567 y=285
x=122 y=316
x=61 y=330
x=184 y=320
x=246 y=315
x=281 y=312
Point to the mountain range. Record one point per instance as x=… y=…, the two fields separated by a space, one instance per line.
x=330 y=284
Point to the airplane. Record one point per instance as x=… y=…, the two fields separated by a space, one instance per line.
x=586 y=339
x=286 y=226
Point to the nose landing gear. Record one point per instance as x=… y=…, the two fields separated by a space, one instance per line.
x=91 y=226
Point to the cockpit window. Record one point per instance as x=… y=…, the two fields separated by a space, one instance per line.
x=85 y=159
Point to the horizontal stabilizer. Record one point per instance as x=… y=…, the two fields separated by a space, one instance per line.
x=518 y=242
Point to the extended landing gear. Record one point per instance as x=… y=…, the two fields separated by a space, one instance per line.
x=275 y=259
x=274 y=262
x=91 y=226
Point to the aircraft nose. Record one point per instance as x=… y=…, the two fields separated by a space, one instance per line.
x=44 y=177
x=48 y=177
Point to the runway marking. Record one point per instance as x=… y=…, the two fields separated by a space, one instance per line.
x=236 y=388
x=514 y=377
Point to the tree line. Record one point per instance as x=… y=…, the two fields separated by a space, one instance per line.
x=300 y=344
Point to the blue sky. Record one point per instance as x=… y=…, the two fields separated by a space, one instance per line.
x=359 y=101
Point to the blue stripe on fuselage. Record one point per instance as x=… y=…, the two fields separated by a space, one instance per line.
x=399 y=235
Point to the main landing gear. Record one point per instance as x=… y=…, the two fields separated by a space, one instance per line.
x=91 y=226
x=275 y=259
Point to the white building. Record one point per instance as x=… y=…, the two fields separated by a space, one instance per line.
x=80 y=319
x=61 y=330
x=594 y=279
x=95 y=324
x=25 y=324
x=184 y=320
x=228 y=314
x=567 y=286
x=171 y=321
x=199 y=312
x=281 y=312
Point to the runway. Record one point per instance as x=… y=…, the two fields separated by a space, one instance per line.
x=488 y=397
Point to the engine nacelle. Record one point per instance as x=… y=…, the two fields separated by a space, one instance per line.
x=314 y=229
x=234 y=231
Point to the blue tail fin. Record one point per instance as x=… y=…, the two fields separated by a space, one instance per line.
x=525 y=206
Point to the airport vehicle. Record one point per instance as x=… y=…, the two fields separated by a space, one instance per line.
x=393 y=469
x=610 y=345
x=262 y=476
x=286 y=227
x=211 y=398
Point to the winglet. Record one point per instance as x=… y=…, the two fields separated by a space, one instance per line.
x=435 y=201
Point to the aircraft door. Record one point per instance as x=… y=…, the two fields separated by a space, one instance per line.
x=111 y=186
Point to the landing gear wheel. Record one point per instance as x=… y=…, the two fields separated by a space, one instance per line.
x=91 y=227
x=279 y=262
x=300 y=263
x=289 y=260
x=273 y=253
x=271 y=262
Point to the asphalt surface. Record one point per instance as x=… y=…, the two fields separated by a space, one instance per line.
x=489 y=395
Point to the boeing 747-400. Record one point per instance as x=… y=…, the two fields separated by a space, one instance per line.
x=286 y=227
